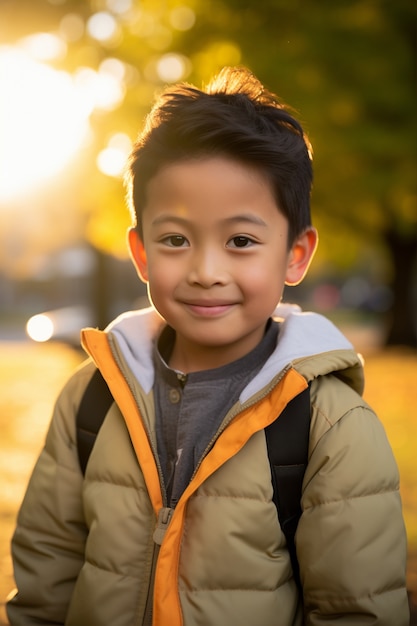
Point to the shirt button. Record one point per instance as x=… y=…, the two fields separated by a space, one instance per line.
x=174 y=396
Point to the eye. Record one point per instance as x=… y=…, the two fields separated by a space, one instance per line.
x=240 y=241
x=175 y=241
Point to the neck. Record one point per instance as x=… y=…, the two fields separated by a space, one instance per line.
x=187 y=358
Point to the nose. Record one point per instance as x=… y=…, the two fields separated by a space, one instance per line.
x=207 y=268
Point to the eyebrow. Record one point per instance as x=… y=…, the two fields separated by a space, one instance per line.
x=162 y=219
x=250 y=218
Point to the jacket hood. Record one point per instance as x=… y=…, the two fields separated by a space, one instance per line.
x=308 y=342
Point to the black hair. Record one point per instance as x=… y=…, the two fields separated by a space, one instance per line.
x=234 y=116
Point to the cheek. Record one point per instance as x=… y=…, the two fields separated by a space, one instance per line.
x=161 y=281
x=265 y=277
x=157 y=293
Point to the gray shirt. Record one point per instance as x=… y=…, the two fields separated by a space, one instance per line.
x=190 y=407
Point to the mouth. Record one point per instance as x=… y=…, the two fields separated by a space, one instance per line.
x=209 y=309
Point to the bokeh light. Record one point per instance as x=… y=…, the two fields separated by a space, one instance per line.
x=182 y=18
x=40 y=328
x=172 y=67
x=120 y=7
x=102 y=26
x=72 y=27
x=112 y=160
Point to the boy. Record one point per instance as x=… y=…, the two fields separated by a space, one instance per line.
x=174 y=522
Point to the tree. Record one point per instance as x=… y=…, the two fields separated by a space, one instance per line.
x=348 y=68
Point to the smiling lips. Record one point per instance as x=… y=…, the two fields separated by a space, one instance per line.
x=209 y=309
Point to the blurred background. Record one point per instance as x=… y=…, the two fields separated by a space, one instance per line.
x=77 y=78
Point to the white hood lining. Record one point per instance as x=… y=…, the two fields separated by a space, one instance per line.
x=301 y=335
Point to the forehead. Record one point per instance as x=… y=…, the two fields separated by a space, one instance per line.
x=210 y=194
x=208 y=180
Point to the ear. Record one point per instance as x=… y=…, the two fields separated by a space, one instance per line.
x=300 y=256
x=138 y=254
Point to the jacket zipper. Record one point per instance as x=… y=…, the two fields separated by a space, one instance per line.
x=164 y=514
x=164 y=518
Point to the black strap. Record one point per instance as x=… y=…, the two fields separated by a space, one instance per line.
x=287 y=443
x=93 y=408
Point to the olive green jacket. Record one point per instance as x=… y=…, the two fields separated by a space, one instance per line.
x=107 y=551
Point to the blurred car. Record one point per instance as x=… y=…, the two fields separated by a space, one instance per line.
x=62 y=324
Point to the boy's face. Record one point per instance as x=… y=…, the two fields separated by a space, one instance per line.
x=215 y=257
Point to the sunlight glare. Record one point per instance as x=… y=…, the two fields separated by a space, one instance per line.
x=44 y=46
x=43 y=121
x=102 y=89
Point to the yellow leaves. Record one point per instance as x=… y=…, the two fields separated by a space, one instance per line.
x=391 y=390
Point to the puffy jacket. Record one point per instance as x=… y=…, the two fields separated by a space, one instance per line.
x=106 y=551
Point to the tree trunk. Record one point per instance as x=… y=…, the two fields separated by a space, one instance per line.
x=101 y=290
x=402 y=316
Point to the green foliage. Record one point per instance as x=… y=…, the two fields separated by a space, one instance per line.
x=347 y=67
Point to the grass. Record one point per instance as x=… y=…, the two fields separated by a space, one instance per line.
x=31 y=376
x=391 y=389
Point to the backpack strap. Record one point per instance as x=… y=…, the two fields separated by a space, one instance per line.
x=287 y=443
x=93 y=408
